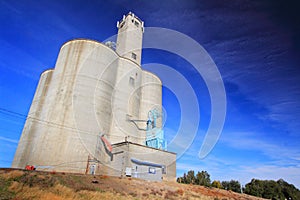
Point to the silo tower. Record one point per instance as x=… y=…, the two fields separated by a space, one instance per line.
x=130 y=36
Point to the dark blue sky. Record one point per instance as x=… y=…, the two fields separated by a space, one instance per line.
x=255 y=45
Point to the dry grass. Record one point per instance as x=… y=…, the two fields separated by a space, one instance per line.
x=180 y=191
x=59 y=192
x=27 y=185
x=12 y=174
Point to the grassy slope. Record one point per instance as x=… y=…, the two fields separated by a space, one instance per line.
x=20 y=184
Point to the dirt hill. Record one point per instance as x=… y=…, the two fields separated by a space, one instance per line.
x=21 y=184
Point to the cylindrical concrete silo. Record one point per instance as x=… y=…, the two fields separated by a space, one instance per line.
x=73 y=115
x=151 y=98
x=125 y=100
x=29 y=139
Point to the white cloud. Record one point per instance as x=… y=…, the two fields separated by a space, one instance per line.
x=187 y=166
x=9 y=140
x=252 y=141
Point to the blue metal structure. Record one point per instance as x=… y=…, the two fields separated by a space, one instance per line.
x=155 y=136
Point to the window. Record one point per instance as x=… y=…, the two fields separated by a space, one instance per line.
x=136 y=23
x=122 y=24
x=163 y=169
x=152 y=170
x=133 y=55
x=131 y=81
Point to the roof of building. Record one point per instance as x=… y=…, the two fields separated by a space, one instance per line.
x=132 y=143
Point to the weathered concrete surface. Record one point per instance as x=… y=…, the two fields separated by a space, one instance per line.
x=93 y=90
x=126 y=153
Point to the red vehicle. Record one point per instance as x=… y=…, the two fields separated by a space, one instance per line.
x=30 y=167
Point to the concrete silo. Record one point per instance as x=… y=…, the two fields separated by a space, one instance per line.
x=90 y=111
x=62 y=129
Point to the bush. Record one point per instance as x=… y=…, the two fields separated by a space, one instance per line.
x=217 y=184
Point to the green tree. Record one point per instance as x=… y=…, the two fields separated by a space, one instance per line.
x=216 y=184
x=183 y=179
x=272 y=190
x=255 y=188
x=191 y=177
x=179 y=180
x=203 y=178
x=232 y=185
x=225 y=185
x=289 y=191
x=235 y=186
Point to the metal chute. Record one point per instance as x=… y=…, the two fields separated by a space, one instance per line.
x=107 y=143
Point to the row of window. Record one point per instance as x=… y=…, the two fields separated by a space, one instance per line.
x=136 y=23
x=152 y=170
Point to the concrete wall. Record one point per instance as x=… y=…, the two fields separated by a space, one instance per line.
x=126 y=151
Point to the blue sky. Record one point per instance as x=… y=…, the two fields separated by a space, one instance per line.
x=255 y=45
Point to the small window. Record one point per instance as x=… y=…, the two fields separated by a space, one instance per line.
x=152 y=170
x=133 y=55
x=163 y=169
x=136 y=23
x=131 y=81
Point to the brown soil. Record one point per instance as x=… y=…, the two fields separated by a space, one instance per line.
x=21 y=184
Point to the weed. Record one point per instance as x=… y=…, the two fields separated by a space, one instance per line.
x=133 y=194
x=13 y=174
x=171 y=195
x=35 y=180
x=180 y=191
x=5 y=193
x=145 y=195
x=99 y=190
x=103 y=177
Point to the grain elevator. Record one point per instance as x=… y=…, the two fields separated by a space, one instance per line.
x=99 y=112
